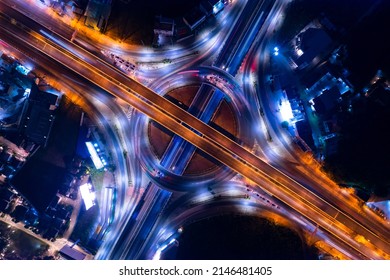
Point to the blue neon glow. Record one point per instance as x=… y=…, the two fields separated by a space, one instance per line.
x=94 y=156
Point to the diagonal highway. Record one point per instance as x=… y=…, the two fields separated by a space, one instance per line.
x=373 y=245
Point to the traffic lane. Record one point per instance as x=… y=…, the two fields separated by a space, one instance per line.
x=340 y=199
x=76 y=85
x=181 y=134
x=328 y=194
x=240 y=25
x=316 y=182
x=66 y=30
x=135 y=86
x=70 y=79
x=181 y=215
x=187 y=137
x=23 y=11
x=304 y=210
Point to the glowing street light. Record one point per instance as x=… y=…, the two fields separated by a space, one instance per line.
x=276 y=51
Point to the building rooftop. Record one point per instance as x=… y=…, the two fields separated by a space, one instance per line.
x=194 y=18
x=311 y=43
x=72 y=254
x=327 y=101
x=6 y=194
x=39 y=115
x=97 y=12
x=380 y=91
x=164 y=25
x=305 y=132
x=206 y=7
x=4 y=204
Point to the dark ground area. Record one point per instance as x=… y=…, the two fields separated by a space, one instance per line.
x=364 y=24
x=134 y=21
x=42 y=175
x=239 y=237
x=21 y=246
x=363 y=153
x=84 y=227
x=342 y=13
x=63 y=139
x=368 y=47
x=39 y=181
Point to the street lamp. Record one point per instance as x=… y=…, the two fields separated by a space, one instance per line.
x=276 y=51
